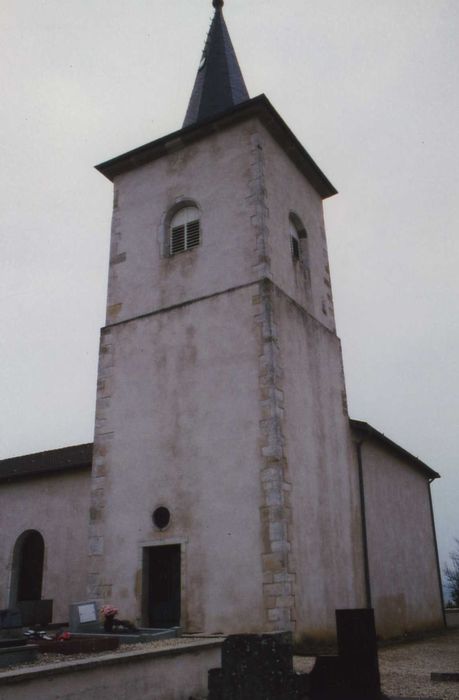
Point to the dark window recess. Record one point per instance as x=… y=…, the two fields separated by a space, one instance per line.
x=184 y=237
x=31 y=567
x=295 y=248
x=161 y=517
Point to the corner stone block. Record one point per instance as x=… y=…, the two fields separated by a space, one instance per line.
x=285 y=601
x=274 y=562
x=96 y=545
x=277 y=589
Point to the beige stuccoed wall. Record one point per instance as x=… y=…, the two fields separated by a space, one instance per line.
x=287 y=190
x=57 y=506
x=226 y=403
x=214 y=173
x=402 y=560
x=326 y=538
x=183 y=412
x=228 y=408
x=178 y=409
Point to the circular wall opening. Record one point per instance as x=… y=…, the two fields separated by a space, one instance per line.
x=161 y=517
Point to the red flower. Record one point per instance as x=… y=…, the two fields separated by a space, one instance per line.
x=64 y=636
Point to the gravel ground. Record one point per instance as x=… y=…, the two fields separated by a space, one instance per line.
x=406 y=668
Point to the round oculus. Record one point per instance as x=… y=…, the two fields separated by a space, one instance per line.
x=161 y=517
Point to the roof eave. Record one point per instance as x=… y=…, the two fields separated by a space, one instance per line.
x=58 y=461
x=52 y=471
x=366 y=429
x=258 y=106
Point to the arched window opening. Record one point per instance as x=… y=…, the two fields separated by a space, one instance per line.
x=28 y=566
x=294 y=242
x=297 y=235
x=185 y=230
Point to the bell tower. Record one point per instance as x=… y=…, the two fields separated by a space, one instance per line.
x=223 y=493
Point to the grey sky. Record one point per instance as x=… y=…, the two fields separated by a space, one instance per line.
x=371 y=89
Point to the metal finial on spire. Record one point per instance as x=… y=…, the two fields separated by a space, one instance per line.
x=218 y=3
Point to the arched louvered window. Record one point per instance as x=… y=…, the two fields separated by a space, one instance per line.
x=297 y=232
x=185 y=230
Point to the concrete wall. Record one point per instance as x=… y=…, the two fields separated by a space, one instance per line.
x=57 y=506
x=403 y=570
x=170 y=674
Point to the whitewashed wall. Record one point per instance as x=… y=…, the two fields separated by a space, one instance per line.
x=403 y=570
x=58 y=507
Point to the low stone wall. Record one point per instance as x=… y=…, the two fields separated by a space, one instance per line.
x=173 y=673
x=452 y=617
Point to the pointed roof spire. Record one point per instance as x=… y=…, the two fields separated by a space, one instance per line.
x=219 y=84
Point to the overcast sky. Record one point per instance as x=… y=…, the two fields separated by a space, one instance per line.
x=370 y=88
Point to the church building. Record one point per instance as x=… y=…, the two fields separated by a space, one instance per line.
x=226 y=490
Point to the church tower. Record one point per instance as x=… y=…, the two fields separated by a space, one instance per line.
x=224 y=497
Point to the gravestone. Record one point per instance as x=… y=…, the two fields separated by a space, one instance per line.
x=354 y=673
x=35 y=612
x=9 y=620
x=257 y=667
x=358 y=651
x=84 y=617
x=13 y=647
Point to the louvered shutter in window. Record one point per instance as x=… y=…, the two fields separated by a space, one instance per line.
x=185 y=232
x=177 y=239
x=192 y=234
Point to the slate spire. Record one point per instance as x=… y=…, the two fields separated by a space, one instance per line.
x=219 y=84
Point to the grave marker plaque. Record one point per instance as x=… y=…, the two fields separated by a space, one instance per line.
x=84 y=617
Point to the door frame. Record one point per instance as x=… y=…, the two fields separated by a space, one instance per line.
x=143 y=598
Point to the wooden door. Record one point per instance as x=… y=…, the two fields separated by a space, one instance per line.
x=163 y=586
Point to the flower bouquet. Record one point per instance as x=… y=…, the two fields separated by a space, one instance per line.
x=112 y=624
x=109 y=612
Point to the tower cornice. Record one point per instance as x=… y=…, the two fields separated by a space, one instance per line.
x=259 y=107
